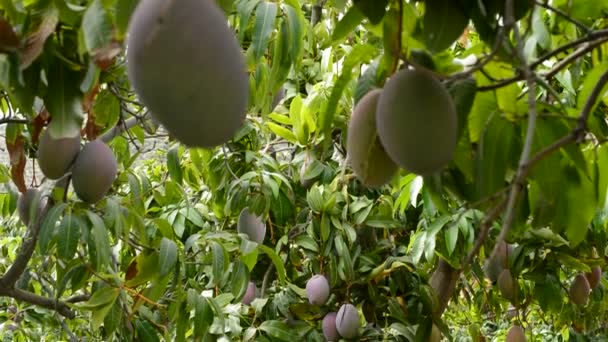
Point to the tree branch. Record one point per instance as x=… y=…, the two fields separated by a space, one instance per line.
x=563 y=15
x=11 y=119
x=518 y=183
x=576 y=135
x=28 y=297
x=596 y=37
x=26 y=250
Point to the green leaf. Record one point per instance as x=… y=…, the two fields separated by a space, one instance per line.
x=494 y=156
x=282 y=132
x=203 y=316
x=124 y=9
x=47 y=229
x=145 y=331
x=451 y=238
x=296 y=24
x=265 y=15
x=98 y=242
x=174 y=166
x=99 y=314
x=68 y=236
x=443 y=22
x=278 y=330
x=279 y=264
x=147 y=269
x=589 y=84
x=244 y=9
x=373 y=9
x=240 y=279
x=97 y=27
x=167 y=257
x=359 y=54
x=347 y=24
x=64 y=101
x=102 y=297
x=220 y=262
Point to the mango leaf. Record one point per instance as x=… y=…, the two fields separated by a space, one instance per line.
x=167 y=257
x=240 y=279
x=147 y=268
x=373 y=9
x=347 y=24
x=279 y=264
x=359 y=54
x=64 y=101
x=68 y=236
x=442 y=24
x=244 y=9
x=278 y=330
x=174 y=166
x=145 y=331
x=296 y=24
x=494 y=156
x=47 y=230
x=102 y=297
x=97 y=27
x=265 y=15
x=220 y=262
x=98 y=242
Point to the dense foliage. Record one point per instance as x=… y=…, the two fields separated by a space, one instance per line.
x=220 y=243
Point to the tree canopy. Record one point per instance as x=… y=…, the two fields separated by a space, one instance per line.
x=297 y=229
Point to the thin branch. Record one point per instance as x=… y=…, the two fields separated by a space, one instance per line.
x=576 y=135
x=486 y=223
x=595 y=36
x=563 y=15
x=574 y=56
x=518 y=183
x=10 y=119
x=61 y=307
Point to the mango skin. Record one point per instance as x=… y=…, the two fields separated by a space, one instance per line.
x=506 y=284
x=28 y=201
x=252 y=226
x=417 y=122
x=94 y=171
x=372 y=166
x=594 y=277
x=516 y=334
x=187 y=67
x=317 y=290
x=55 y=156
x=347 y=321
x=249 y=294
x=580 y=290
x=329 y=327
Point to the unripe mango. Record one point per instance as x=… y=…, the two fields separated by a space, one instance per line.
x=329 y=327
x=516 y=334
x=367 y=157
x=507 y=285
x=187 y=67
x=55 y=156
x=94 y=171
x=594 y=277
x=28 y=205
x=252 y=226
x=249 y=294
x=347 y=321
x=317 y=290
x=580 y=290
x=417 y=122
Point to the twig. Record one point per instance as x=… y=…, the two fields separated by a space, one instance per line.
x=592 y=36
x=61 y=307
x=563 y=15
x=576 y=135
x=10 y=119
x=518 y=183
x=574 y=56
